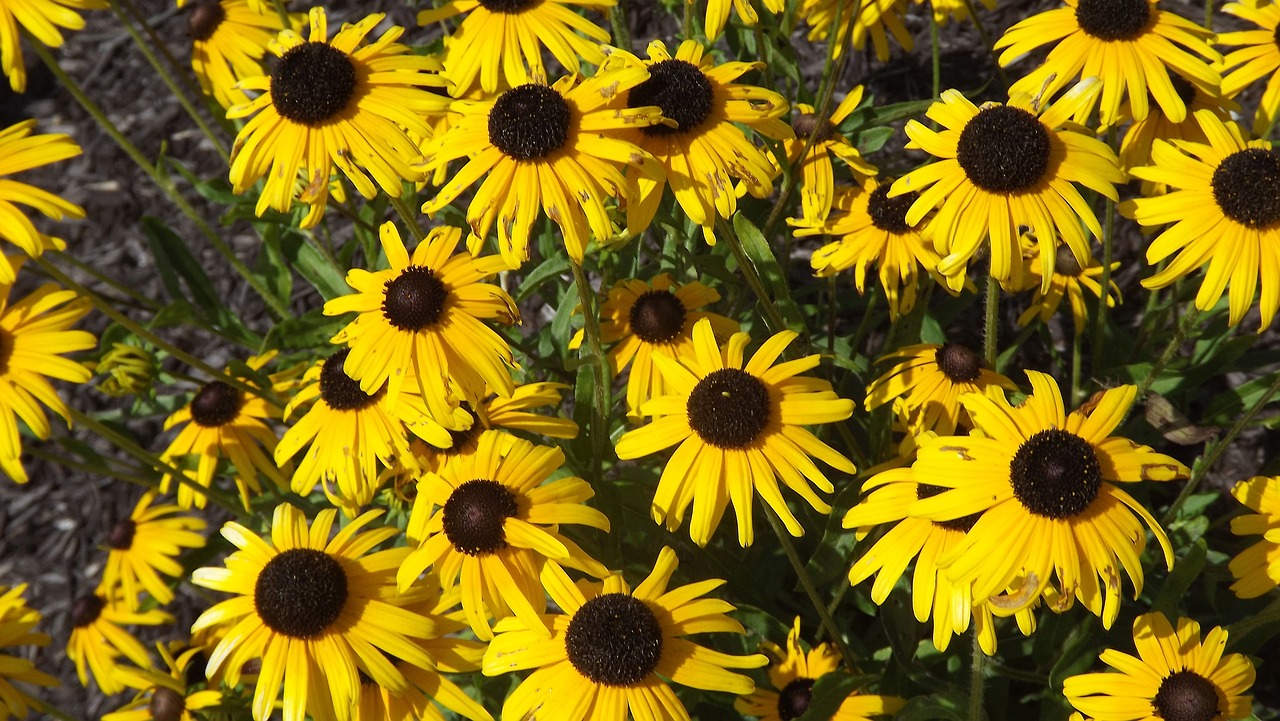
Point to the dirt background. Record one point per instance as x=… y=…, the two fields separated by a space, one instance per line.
x=52 y=529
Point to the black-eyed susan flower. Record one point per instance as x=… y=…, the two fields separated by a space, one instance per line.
x=164 y=695
x=1257 y=568
x=718 y=14
x=145 y=545
x=45 y=20
x=926 y=382
x=876 y=20
x=1046 y=484
x=1070 y=280
x=16 y=621
x=19 y=151
x=316 y=611
x=334 y=103
x=1129 y=45
x=1224 y=214
x=1135 y=146
x=35 y=332
x=817 y=176
x=959 y=10
x=700 y=147
x=428 y=687
x=224 y=422
x=229 y=39
x=557 y=148
x=952 y=605
x=871 y=228
x=1258 y=58
x=488 y=522
x=1175 y=675
x=423 y=317
x=613 y=650
x=348 y=433
x=1003 y=167
x=500 y=42
x=740 y=428
x=98 y=640
x=653 y=318
x=793 y=673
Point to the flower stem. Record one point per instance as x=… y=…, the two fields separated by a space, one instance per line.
x=1179 y=335
x=991 y=324
x=410 y=218
x=773 y=317
x=936 y=52
x=977 y=679
x=51 y=711
x=1218 y=447
x=603 y=380
x=1108 y=237
x=128 y=13
x=815 y=599
x=279 y=309
x=146 y=334
x=1270 y=614
x=618 y=24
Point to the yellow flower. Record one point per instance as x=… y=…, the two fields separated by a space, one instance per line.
x=1069 y=280
x=793 y=673
x=700 y=146
x=16 y=622
x=44 y=19
x=164 y=696
x=1174 y=676
x=718 y=14
x=97 y=640
x=739 y=428
x=332 y=102
x=928 y=381
x=1005 y=166
x=557 y=148
x=876 y=21
x=1047 y=486
x=146 y=544
x=1127 y=44
x=19 y=151
x=1258 y=59
x=229 y=38
x=817 y=177
x=612 y=649
x=1257 y=568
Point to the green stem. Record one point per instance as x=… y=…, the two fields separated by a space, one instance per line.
x=772 y=316
x=61 y=459
x=107 y=309
x=686 y=23
x=1179 y=335
x=828 y=623
x=98 y=275
x=1076 y=369
x=618 y=24
x=987 y=42
x=171 y=73
x=977 y=679
x=284 y=14
x=1201 y=469
x=1208 y=15
x=51 y=710
x=280 y=310
x=1270 y=614
x=604 y=382
x=1108 y=237
x=991 y=324
x=936 y=52
x=410 y=218
x=127 y=445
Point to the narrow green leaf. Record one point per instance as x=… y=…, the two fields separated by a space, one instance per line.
x=1185 y=572
x=775 y=282
x=829 y=692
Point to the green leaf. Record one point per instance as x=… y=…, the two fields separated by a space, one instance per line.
x=953 y=705
x=761 y=256
x=1185 y=572
x=552 y=267
x=829 y=692
x=871 y=140
x=870 y=116
x=307 y=332
x=312 y=265
x=272 y=267
x=180 y=270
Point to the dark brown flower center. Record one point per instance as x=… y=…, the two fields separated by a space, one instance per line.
x=1004 y=149
x=121 y=537
x=1055 y=474
x=508 y=7
x=1246 y=186
x=959 y=363
x=462 y=439
x=312 y=83
x=475 y=514
x=614 y=640
x=1065 y=263
x=1113 y=19
x=682 y=91
x=890 y=214
x=166 y=704
x=794 y=699
x=657 y=316
x=300 y=592
x=1185 y=89
x=86 y=610
x=1186 y=696
x=340 y=391
x=6 y=350
x=415 y=299
x=729 y=408
x=806 y=125
x=529 y=122
x=964 y=523
x=216 y=404
x=204 y=18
